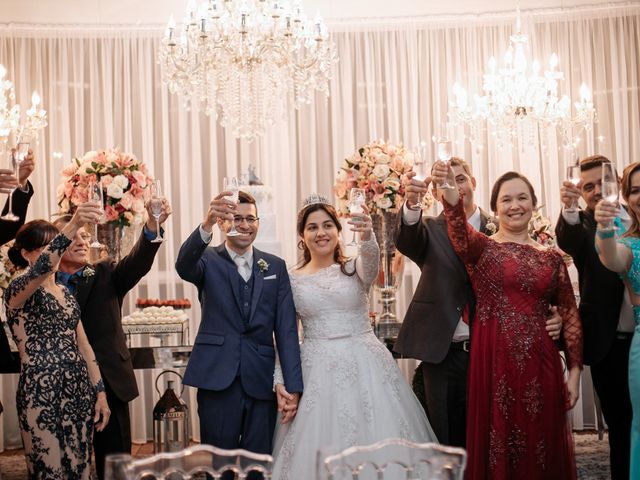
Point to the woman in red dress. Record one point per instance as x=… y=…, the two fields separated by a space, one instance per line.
x=517 y=396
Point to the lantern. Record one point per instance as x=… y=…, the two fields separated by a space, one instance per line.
x=170 y=419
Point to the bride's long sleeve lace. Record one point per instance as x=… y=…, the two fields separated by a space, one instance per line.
x=368 y=261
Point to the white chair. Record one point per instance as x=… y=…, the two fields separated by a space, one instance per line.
x=393 y=459
x=197 y=462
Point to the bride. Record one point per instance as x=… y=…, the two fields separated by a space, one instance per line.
x=354 y=393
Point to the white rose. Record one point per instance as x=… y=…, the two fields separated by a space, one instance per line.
x=381 y=171
x=121 y=181
x=384 y=203
x=91 y=156
x=114 y=190
x=383 y=158
x=138 y=205
x=111 y=157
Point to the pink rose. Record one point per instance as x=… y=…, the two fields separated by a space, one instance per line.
x=138 y=205
x=70 y=169
x=106 y=180
x=68 y=189
x=110 y=213
x=141 y=178
x=127 y=200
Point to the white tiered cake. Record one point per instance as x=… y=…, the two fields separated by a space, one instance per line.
x=267 y=239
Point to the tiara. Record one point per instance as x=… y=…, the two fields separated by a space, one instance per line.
x=315 y=198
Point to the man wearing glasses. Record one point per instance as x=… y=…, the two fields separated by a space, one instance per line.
x=246 y=300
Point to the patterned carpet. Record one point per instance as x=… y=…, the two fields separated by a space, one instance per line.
x=592 y=457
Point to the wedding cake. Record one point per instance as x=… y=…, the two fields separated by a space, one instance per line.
x=267 y=239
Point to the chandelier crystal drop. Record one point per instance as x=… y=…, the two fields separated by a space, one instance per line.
x=247 y=61
x=519 y=102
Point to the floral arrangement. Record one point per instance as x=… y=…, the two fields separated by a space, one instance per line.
x=377 y=168
x=540 y=229
x=125 y=180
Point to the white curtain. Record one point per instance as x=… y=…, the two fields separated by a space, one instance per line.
x=102 y=88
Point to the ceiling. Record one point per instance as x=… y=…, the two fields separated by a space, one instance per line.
x=158 y=11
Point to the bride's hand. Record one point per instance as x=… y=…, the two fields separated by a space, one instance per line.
x=361 y=222
x=287 y=403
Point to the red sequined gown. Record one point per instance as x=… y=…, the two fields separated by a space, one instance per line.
x=517 y=424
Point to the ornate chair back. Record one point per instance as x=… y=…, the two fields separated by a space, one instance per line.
x=393 y=459
x=197 y=462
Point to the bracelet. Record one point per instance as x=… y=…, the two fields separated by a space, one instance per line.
x=99 y=387
x=604 y=234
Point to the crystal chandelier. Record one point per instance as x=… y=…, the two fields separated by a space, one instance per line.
x=35 y=118
x=518 y=102
x=247 y=61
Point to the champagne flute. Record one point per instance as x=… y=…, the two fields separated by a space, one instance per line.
x=445 y=151
x=357 y=199
x=609 y=187
x=573 y=175
x=156 y=208
x=231 y=185
x=20 y=153
x=95 y=194
x=420 y=168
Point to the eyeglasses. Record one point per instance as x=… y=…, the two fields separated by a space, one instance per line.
x=251 y=220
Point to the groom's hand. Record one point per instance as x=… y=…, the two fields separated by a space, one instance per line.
x=287 y=403
x=220 y=207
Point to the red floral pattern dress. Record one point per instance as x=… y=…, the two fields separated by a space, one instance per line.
x=517 y=413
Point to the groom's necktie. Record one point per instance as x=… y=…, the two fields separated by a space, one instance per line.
x=243 y=267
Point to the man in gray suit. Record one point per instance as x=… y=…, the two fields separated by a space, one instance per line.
x=436 y=326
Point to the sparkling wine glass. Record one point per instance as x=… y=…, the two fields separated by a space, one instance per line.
x=357 y=199
x=155 y=205
x=445 y=150
x=573 y=175
x=20 y=153
x=609 y=187
x=231 y=185
x=95 y=194
x=420 y=168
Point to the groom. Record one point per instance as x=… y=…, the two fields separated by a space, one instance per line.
x=246 y=299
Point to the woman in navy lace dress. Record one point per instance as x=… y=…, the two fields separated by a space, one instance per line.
x=60 y=397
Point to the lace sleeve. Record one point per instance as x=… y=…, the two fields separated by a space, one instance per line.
x=277 y=375
x=20 y=289
x=571 y=325
x=368 y=261
x=467 y=242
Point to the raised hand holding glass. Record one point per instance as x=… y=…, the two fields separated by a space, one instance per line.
x=155 y=205
x=357 y=198
x=573 y=176
x=610 y=189
x=231 y=185
x=95 y=194
x=445 y=150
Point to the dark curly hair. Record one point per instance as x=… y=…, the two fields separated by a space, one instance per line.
x=338 y=254
x=31 y=236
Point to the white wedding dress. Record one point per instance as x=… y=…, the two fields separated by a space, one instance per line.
x=354 y=393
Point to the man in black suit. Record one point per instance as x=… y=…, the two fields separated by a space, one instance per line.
x=606 y=314
x=436 y=326
x=100 y=289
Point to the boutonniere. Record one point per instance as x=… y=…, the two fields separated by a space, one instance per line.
x=88 y=272
x=263 y=265
x=491 y=227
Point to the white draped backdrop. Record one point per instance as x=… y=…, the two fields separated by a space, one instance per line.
x=102 y=88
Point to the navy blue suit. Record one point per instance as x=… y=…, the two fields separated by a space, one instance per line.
x=233 y=358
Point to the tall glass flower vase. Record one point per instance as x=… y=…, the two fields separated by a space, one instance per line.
x=384 y=226
x=110 y=236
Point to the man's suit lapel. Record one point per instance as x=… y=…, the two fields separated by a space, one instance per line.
x=84 y=287
x=230 y=268
x=258 y=282
x=450 y=252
